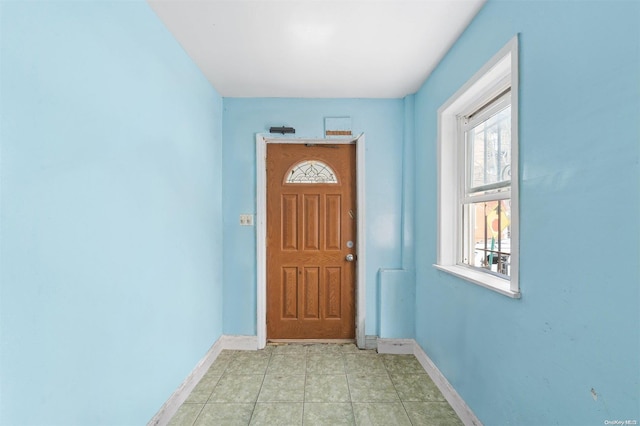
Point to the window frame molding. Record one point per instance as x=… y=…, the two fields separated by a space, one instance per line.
x=485 y=84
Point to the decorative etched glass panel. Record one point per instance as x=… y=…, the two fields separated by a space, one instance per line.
x=311 y=171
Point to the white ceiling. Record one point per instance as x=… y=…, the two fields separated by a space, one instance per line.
x=316 y=48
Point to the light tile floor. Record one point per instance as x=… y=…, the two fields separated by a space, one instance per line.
x=321 y=384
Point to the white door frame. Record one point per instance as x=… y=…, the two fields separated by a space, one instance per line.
x=261 y=229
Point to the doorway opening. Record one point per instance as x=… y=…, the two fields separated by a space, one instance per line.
x=307 y=206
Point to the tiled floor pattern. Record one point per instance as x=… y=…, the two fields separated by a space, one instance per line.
x=322 y=384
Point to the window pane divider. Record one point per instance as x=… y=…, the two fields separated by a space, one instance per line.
x=489 y=187
x=494 y=196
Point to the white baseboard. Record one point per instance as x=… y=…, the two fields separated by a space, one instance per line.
x=453 y=398
x=240 y=343
x=370 y=342
x=396 y=346
x=169 y=409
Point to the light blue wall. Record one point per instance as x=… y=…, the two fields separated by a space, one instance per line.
x=396 y=298
x=111 y=241
x=536 y=360
x=380 y=120
x=112 y=181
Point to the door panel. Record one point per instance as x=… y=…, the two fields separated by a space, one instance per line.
x=311 y=293
x=289 y=222
x=333 y=222
x=311 y=220
x=289 y=292
x=334 y=285
x=310 y=284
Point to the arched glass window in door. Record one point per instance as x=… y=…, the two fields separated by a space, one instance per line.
x=311 y=171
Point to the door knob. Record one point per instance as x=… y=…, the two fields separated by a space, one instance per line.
x=349 y=257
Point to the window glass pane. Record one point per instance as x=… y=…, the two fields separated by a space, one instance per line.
x=490 y=150
x=311 y=171
x=488 y=244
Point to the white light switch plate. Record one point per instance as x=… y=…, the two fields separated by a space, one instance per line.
x=246 y=219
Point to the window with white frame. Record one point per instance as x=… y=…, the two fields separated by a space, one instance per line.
x=478 y=177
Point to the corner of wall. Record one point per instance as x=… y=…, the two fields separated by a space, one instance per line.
x=397 y=303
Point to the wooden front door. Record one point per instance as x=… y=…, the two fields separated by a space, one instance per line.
x=311 y=230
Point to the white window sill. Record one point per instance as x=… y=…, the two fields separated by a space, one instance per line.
x=497 y=284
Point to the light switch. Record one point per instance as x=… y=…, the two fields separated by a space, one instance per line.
x=246 y=219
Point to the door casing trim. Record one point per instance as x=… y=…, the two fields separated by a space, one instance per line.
x=261 y=229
